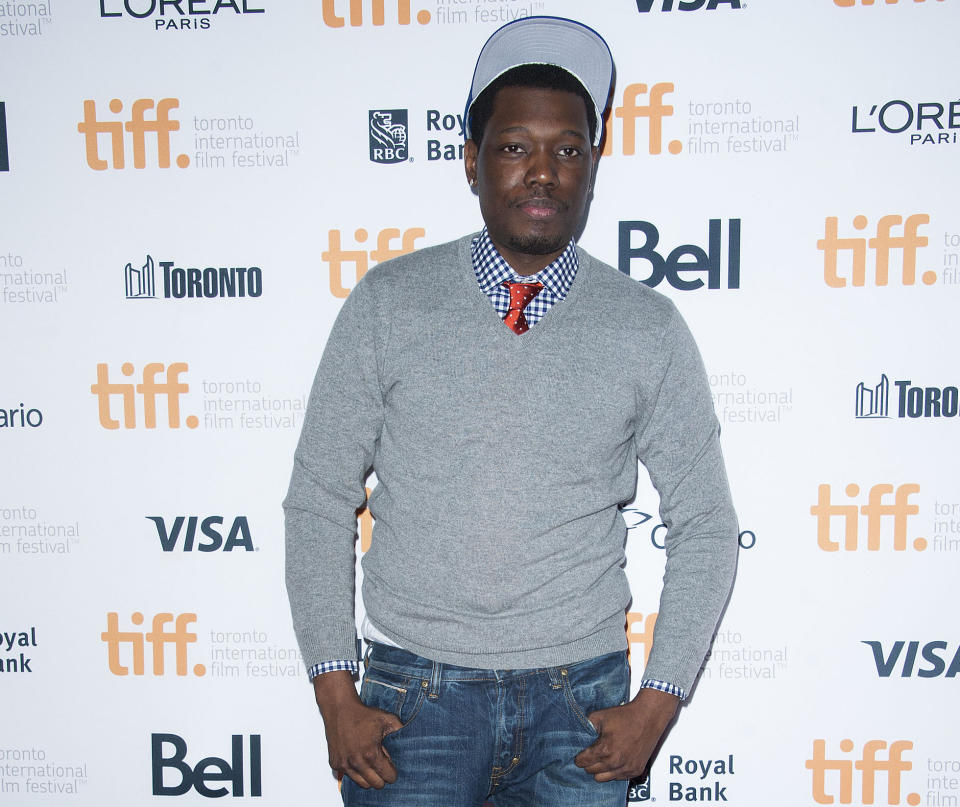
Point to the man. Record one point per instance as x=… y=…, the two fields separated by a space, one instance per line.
x=502 y=387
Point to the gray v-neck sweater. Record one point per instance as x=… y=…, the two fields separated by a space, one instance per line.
x=501 y=461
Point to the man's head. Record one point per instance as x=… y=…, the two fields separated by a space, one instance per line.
x=533 y=131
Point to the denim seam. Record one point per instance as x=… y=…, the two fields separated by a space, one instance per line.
x=576 y=708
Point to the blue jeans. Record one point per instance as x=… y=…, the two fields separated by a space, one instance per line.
x=507 y=736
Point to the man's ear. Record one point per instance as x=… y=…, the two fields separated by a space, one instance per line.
x=470 y=162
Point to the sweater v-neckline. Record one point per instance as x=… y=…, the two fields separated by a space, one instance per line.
x=488 y=313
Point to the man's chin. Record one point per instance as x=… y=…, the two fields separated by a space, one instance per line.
x=537 y=244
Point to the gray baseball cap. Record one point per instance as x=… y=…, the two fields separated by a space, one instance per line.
x=569 y=45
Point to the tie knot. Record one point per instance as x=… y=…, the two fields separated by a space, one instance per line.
x=522 y=293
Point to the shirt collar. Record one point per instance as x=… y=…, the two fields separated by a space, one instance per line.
x=492 y=268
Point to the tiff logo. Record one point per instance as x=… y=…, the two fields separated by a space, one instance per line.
x=877 y=513
x=388 y=135
x=875 y=402
x=91 y=127
x=139 y=282
x=149 y=389
x=851 y=3
x=882 y=244
x=640 y=631
x=337 y=256
x=157 y=638
x=654 y=111
x=4 y=153
x=377 y=17
x=894 y=765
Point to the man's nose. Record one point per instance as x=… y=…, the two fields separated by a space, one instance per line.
x=542 y=169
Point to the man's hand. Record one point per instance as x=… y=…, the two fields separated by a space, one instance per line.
x=628 y=735
x=354 y=731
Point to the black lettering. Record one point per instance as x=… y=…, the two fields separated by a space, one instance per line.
x=733 y=251
x=206 y=527
x=239 y=535
x=938 y=665
x=949 y=402
x=105 y=13
x=178 y=283
x=194 y=289
x=935 y=117
x=242 y=285
x=166 y=277
x=883 y=112
x=132 y=13
x=700 y=263
x=159 y=762
x=690 y=5
x=221 y=773
x=254 y=281
x=209 y=282
x=915 y=402
x=743 y=543
x=902 y=400
x=931 y=402
x=855 y=128
x=433 y=120
x=228 y=282
x=627 y=252
x=675 y=762
x=168 y=541
x=174 y=3
x=885 y=665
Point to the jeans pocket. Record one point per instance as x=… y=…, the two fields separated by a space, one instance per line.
x=599 y=683
x=401 y=695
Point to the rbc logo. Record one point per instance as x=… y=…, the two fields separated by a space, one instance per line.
x=212 y=540
x=138 y=126
x=388 y=135
x=868 y=766
x=207 y=770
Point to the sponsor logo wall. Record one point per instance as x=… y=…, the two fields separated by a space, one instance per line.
x=182 y=219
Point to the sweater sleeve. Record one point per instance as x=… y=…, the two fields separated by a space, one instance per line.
x=679 y=443
x=336 y=450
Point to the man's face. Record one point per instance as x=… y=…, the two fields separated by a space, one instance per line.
x=533 y=172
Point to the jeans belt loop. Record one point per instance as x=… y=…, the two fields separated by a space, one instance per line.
x=435 y=673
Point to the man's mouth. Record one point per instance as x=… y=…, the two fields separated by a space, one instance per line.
x=540 y=208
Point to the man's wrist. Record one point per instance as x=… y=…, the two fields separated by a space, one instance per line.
x=664 y=686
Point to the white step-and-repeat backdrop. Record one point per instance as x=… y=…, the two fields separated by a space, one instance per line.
x=190 y=188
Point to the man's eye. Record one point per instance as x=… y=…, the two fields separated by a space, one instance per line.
x=513 y=148
x=570 y=151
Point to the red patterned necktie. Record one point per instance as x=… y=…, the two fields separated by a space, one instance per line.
x=520 y=295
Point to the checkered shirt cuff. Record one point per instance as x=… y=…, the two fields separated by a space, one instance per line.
x=329 y=666
x=663 y=686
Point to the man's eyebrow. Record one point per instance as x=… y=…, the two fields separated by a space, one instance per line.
x=520 y=128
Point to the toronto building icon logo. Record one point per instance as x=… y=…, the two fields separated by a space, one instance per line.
x=139 y=282
x=388 y=135
x=873 y=402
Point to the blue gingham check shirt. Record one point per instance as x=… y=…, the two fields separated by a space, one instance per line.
x=492 y=271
